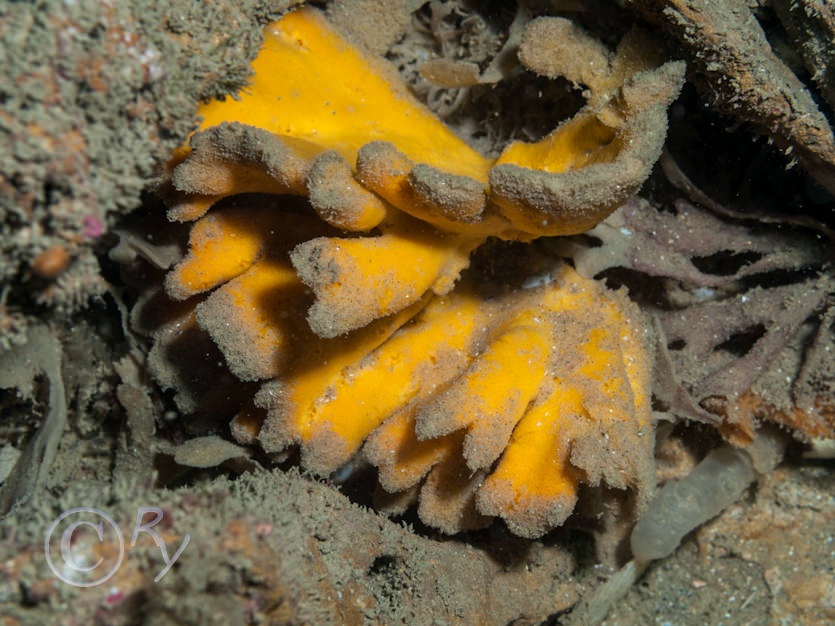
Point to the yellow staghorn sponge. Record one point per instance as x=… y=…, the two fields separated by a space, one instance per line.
x=527 y=394
x=357 y=280
x=319 y=302
x=558 y=393
x=325 y=120
x=477 y=404
x=331 y=426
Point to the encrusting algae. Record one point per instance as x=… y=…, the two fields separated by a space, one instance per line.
x=337 y=293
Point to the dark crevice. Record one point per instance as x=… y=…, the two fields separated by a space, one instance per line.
x=740 y=343
x=725 y=262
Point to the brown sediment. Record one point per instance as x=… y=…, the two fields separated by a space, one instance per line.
x=733 y=62
x=555 y=46
x=811 y=25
